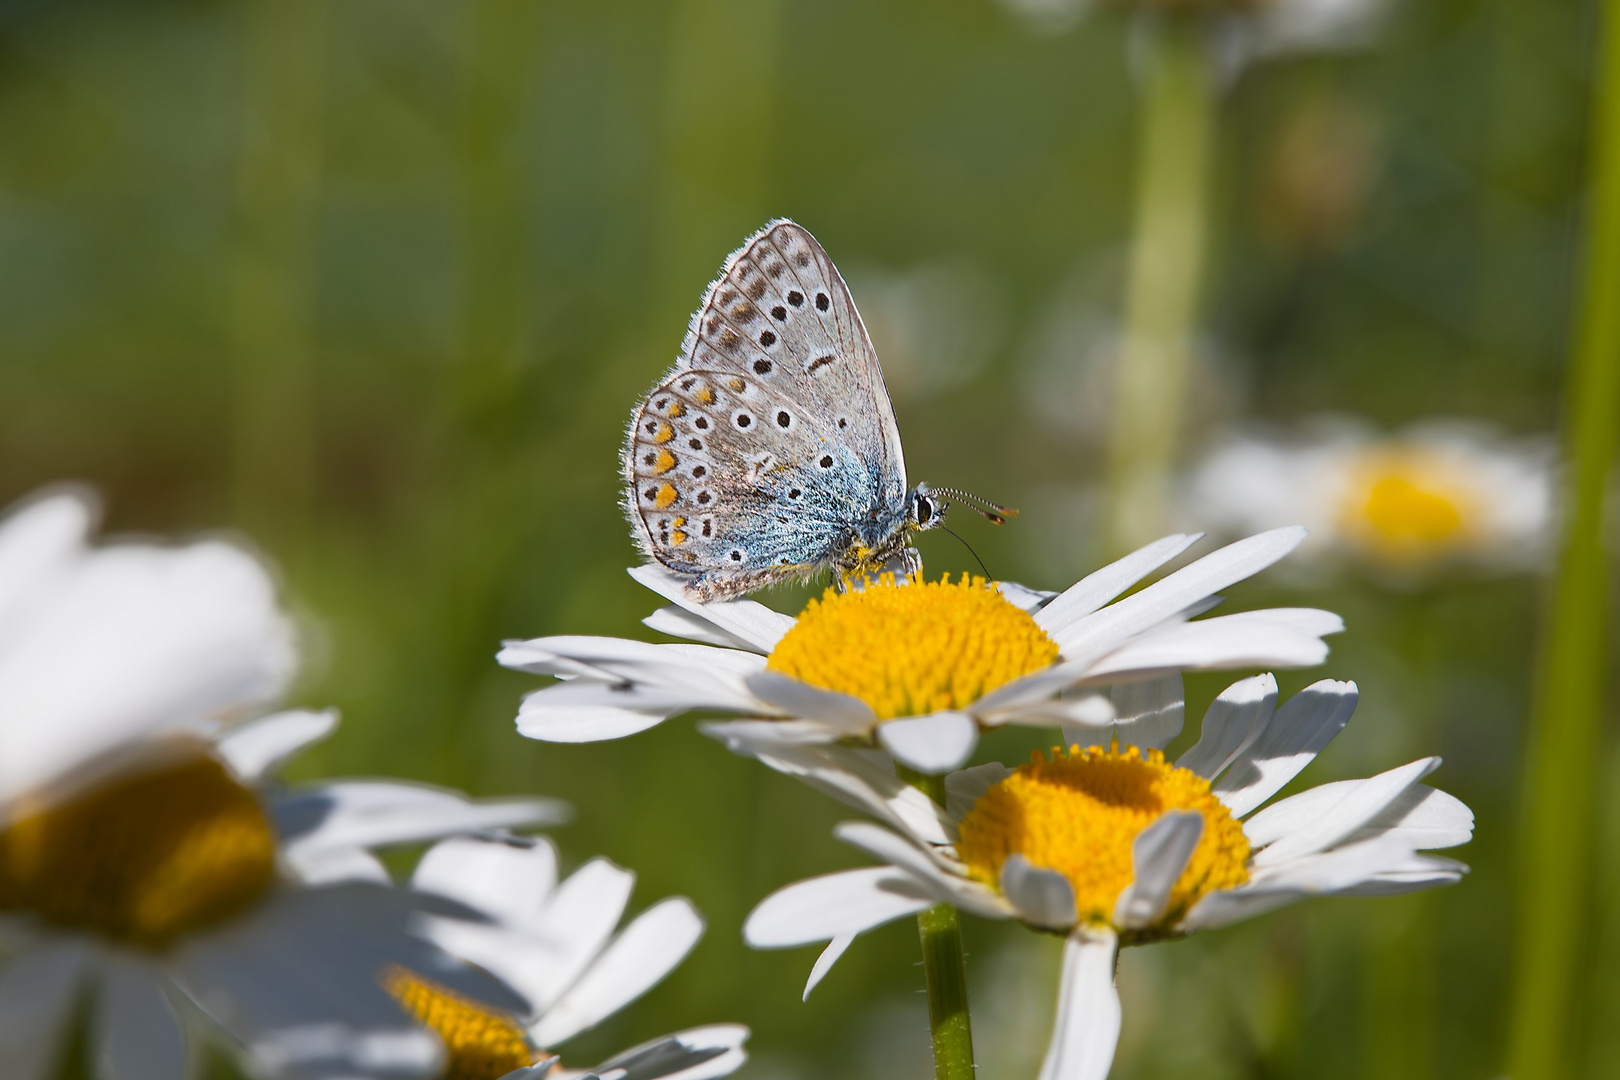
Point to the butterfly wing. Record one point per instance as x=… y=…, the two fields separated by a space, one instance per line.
x=739 y=485
x=773 y=434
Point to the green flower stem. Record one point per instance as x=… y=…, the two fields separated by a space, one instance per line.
x=271 y=327
x=1560 y=768
x=944 y=968
x=1176 y=139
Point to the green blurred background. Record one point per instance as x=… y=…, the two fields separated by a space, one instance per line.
x=377 y=283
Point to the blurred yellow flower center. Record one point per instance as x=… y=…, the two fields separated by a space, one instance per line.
x=1405 y=506
x=1078 y=814
x=481 y=1043
x=908 y=650
x=144 y=856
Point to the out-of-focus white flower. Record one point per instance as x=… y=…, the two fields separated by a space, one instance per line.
x=1252 y=27
x=146 y=862
x=555 y=943
x=916 y=669
x=1437 y=493
x=1110 y=844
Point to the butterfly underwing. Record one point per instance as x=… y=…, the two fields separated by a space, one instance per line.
x=769 y=452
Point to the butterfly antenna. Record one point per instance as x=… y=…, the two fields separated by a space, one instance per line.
x=973 y=553
x=988 y=510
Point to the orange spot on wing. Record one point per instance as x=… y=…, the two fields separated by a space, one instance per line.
x=664 y=462
x=663 y=434
x=677 y=537
x=666 y=495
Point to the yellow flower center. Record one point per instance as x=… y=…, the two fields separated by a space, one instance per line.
x=1078 y=814
x=909 y=650
x=481 y=1043
x=144 y=856
x=1404 y=506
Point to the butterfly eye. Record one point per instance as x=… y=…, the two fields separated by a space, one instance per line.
x=925 y=510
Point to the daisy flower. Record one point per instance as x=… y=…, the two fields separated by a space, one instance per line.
x=554 y=942
x=148 y=867
x=1110 y=844
x=1251 y=26
x=1439 y=492
x=918 y=669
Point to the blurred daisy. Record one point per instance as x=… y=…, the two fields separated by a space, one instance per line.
x=555 y=944
x=1110 y=844
x=1436 y=493
x=917 y=669
x=1250 y=26
x=146 y=864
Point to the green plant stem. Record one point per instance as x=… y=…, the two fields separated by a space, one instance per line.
x=272 y=335
x=1177 y=118
x=1560 y=769
x=944 y=968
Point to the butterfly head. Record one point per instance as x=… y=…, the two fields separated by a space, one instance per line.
x=924 y=509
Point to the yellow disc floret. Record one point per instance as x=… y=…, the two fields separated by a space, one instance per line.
x=1407 y=507
x=480 y=1043
x=1078 y=813
x=142 y=857
x=908 y=650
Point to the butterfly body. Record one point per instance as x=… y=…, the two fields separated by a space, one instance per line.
x=769 y=452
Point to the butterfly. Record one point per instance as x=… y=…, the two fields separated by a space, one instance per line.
x=769 y=452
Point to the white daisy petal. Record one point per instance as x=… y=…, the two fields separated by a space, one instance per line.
x=1088 y=709
x=578 y=921
x=835 y=905
x=843 y=712
x=1042 y=897
x=845 y=774
x=1419 y=873
x=932 y=744
x=678 y=622
x=642 y=954
x=1088 y=1012
x=1098 y=588
x=253 y=749
x=698 y=674
x=1176 y=593
x=370 y=813
x=330 y=865
x=1422 y=817
x=753 y=622
x=882 y=844
x=697 y=1054
x=1233 y=721
x=1304 y=828
x=509 y=878
x=1296 y=733
x=1339 y=871
x=824 y=963
x=546 y=719
x=963 y=787
x=1274 y=637
x=41 y=540
x=136 y=1034
x=178 y=638
x=1149 y=713
x=1159 y=854
x=1023 y=597
x=38 y=991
